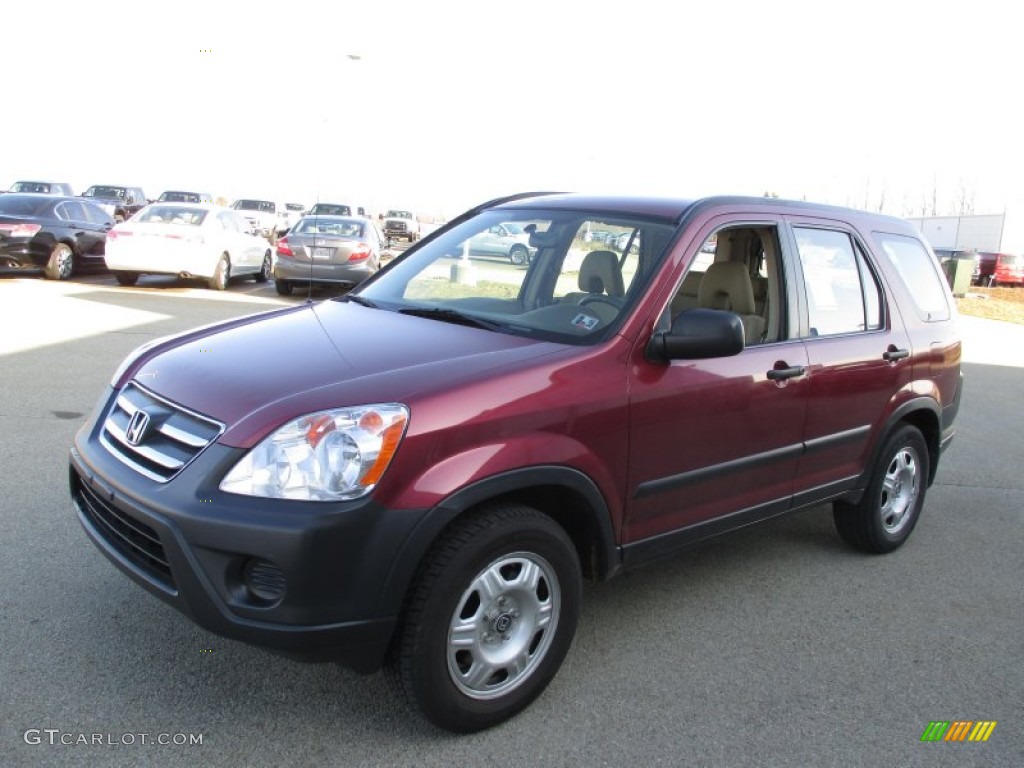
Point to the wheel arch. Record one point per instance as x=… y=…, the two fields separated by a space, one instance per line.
x=70 y=243
x=564 y=494
x=923 y=413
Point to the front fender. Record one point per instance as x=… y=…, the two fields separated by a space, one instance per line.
x=505 y=484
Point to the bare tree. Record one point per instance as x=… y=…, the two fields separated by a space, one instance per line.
x=965 y=199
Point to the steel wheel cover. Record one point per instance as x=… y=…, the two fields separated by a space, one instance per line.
x=503 y=625
x=900 y=489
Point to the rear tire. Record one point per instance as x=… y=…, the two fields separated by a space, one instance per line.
x=264 y=274
x=891 y=505
x=61 y=263
x=126 y=278
x=283 y=287
x=489 y=618
x=519 y=255
x=221 y=275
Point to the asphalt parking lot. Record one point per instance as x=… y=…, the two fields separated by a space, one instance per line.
x=772 y=646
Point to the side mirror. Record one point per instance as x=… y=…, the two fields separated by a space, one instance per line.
x=698 y=334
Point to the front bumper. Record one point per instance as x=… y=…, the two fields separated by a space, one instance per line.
x=307 y=579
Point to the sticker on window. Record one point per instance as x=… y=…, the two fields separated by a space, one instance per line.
x=586 y=322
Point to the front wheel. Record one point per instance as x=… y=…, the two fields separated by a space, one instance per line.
x=892 y=502
x=489 y=619
x=126 y=278
x=519 y=255
x=221 y=274
x=61 y=263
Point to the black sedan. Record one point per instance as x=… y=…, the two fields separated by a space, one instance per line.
x=54 y=234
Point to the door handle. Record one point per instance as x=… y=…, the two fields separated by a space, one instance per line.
x=783 y=372
x=892 y=354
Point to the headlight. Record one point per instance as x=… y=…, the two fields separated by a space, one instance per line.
x=327 y=456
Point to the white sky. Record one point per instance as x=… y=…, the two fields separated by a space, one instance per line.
x=452 y=102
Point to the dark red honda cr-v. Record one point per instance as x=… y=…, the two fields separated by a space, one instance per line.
x=420 y=473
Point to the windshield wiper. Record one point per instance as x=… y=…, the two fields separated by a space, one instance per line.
x=357 y=300
x=450 y=316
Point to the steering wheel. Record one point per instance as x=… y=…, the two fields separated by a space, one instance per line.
x=615 y=301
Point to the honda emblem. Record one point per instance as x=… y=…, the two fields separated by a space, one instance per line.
x=137 y=427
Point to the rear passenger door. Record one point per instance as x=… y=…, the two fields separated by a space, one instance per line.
x=89 y=237
x=715 y=443
x=858 y=352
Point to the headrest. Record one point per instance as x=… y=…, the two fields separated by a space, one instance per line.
x=599 y=273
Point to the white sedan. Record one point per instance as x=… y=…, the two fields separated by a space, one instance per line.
x=189 y=240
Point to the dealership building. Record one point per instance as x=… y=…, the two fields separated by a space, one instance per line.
x=984 y=233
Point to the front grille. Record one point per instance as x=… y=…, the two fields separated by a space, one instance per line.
x=397 y=226
x=153 y=436
x=135 y=540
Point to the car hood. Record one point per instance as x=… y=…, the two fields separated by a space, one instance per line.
x=256 y=375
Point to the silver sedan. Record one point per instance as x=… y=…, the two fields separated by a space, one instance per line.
x=330 y=250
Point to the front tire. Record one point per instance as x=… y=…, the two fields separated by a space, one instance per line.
x=221 y=275
x=61 y=263
x=519 y=255
x=891 y=505
x=126 y=278
x=490 y=618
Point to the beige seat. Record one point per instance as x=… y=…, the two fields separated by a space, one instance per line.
x=599 y=273
x=599 y=276
x=726 y=285
x=688 y=295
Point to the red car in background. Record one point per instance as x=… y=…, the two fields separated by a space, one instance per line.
x=1009 y=270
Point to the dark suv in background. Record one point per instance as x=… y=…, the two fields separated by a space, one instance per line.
x=121 y=202
x=420 y=473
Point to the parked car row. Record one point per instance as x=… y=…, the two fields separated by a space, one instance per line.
x=193 y=239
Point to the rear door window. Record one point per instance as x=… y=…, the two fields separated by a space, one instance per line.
x=843 y=295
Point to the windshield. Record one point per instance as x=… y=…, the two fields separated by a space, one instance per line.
x=180 y=197
x=171 y=214
x=528 y=272
x=117 y=193
x=399 y=215
x=328 y=209
x=32 y=186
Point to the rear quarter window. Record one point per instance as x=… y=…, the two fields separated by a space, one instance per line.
x=919 y=271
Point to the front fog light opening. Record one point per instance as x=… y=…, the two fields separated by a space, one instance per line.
x=264 y=582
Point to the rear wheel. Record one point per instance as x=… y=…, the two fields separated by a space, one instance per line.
x=61 y=263
x=519 y=255
x=889 y=508
x=264 y=274
x=126 y=278
x=283 y=287
x=221 y=274
x=489 y=619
